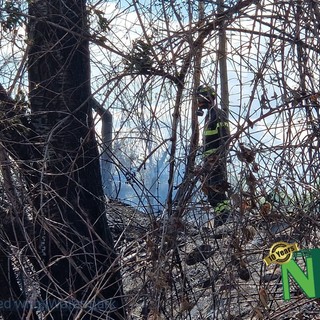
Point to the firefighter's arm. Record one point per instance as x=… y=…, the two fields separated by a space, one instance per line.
x=224 y=131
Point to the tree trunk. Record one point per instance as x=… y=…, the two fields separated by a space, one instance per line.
x=80 y=266
x=185 y=190
x=222 y=58
x=14 y=226
x=106 y=157
x=106 y=153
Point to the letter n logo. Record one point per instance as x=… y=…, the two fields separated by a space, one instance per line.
x=308 y=281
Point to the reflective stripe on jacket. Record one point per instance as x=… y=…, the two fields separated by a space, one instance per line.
x=216 y=131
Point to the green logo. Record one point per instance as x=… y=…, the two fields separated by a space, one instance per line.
x=293 y=266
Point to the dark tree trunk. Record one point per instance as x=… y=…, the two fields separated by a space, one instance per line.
x=106 y=153
x=10 y=294
x=14 y=226
x=74 y=239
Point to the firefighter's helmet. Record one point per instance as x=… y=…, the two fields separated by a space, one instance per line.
x=205 y=94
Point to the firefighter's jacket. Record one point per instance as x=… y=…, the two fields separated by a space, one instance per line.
x=216 y=131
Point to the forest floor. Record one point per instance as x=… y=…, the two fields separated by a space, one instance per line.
x=186 y=269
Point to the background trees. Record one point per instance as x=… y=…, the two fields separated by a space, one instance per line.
x=147 y=58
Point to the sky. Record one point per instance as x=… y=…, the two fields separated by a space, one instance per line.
x=248 y=55
x=142 y=110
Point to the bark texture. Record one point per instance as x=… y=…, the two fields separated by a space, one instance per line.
x=79 y=262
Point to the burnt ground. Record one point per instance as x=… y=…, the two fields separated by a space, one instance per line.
x=186 y=269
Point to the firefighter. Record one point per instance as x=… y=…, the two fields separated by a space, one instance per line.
x=215 y=136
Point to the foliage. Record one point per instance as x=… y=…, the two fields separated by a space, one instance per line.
x=11 y=15
x=144 y=68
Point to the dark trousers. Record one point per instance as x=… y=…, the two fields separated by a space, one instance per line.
x=215 y=179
